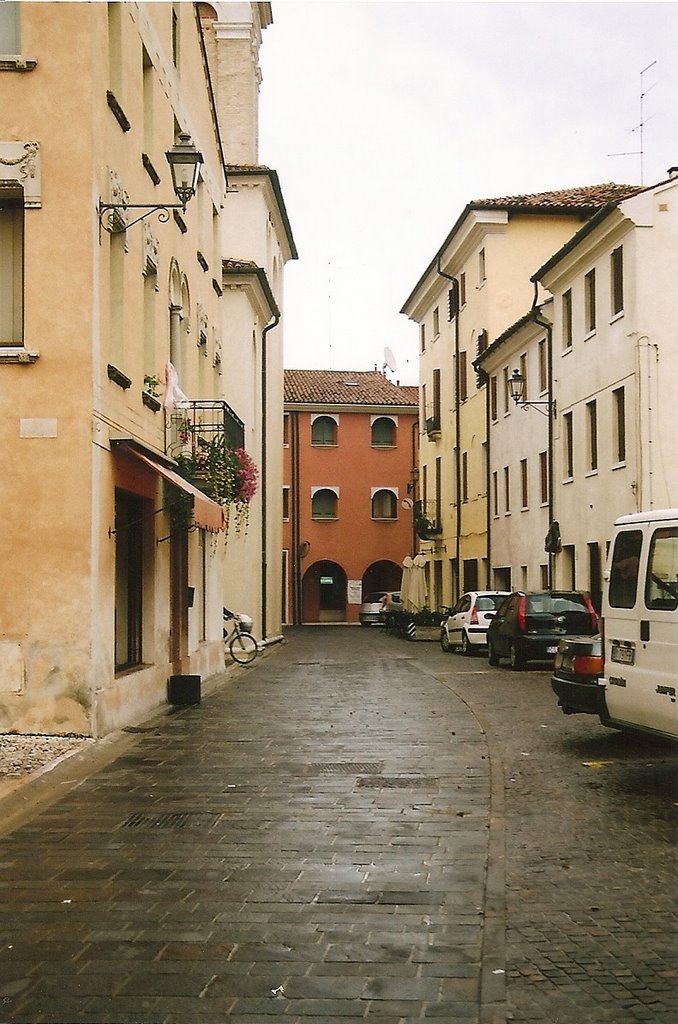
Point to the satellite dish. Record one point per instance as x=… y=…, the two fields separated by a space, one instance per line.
x=389 y=360
x=407 y=503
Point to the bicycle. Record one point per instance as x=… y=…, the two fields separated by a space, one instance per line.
x=241 y=644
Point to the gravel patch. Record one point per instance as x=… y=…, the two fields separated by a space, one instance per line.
x=23 y=753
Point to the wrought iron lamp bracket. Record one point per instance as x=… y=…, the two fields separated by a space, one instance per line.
x=112 y=215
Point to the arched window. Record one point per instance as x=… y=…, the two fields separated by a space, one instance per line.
x=383 y=432
x=324 y=431
x=384 y=504
x=324 y=503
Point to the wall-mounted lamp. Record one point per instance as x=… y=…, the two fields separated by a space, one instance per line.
x=516 y=386
x=185 y=162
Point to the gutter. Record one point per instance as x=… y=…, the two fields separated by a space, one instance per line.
x=264 y=495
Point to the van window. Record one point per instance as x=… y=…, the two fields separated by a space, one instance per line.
x=661 y=584
x=624 y=569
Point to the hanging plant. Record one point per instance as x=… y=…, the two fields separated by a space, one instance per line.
x=227 y=475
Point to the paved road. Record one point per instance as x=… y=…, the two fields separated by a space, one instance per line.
x=353 y=828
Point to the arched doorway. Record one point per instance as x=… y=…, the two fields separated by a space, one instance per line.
x=384 y=575
x=324 y=588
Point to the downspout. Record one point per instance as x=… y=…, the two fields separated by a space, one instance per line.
x=295 y=513
x=548 y=327
x=457 y=430
x=485 y=381
x=264 y=497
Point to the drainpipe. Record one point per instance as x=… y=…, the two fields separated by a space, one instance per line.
x=548 y=327
x=295 y=513
x=457 y=430
x=264 y=454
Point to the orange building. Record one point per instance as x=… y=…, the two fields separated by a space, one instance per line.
x=350 y=448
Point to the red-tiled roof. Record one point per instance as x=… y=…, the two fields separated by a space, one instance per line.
x=587 y=197
x=346 y=387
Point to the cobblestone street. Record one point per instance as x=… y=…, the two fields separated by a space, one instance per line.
x=354 y=827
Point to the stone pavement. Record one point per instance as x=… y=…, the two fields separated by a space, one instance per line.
x=319 y=840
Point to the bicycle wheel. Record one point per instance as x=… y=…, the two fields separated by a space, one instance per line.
x=243 y=648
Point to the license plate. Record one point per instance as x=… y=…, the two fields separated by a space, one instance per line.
x=623 y=655
x=551 y=650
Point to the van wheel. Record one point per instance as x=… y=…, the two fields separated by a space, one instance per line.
x=492 y=655
x=516 y=659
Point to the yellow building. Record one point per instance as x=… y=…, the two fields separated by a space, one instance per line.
x=474 y=288
x=115 y=355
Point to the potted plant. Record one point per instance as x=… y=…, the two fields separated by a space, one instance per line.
x=228 y=475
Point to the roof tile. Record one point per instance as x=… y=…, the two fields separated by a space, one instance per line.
x=346 y=387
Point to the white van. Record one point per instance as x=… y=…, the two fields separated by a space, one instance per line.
x=640 y=625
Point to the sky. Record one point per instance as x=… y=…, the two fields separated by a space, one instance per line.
x=384 y=119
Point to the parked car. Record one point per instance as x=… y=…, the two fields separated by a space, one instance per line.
x=529 y=626
x=377 y=603
x=465 y=627
x=578 y=666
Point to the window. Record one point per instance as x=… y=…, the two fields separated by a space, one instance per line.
x=286 y=503
x=507 y=393
x=543 y=367
x=568 y=459
x=661 y=583
x=507 y=490
x=383 y=433
x=176 y=39
x=523 y=483
x=617 y=281
x=11 y=268
x=592 y=435
x=324 y=503
x=567 y=319
x=436 y=399
x=436 y=322
x=624 y=569
x=523 y=373
x=590 y=302
x=453 y=301
x=286 y=429
x=619 y=425
x=10 y=41
x=543 y=478
x=422 y=337
x=495 y=494
x=463 y=377
x=462 y=289
x=384 y=504
x=324 y=431
x=493 y=398
x=482 y=273
x=464 y=476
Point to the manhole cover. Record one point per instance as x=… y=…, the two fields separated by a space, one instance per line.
x=348 y=767
x=171 y=820
x=396 y=782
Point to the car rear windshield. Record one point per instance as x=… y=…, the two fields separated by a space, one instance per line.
x=488 y=602
x=555 y=603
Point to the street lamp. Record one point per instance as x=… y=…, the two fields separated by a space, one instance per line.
x=185 y=162
x=516 y=386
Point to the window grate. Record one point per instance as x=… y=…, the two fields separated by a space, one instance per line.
x=397 y=782
x=171 y=820
x=348 y=767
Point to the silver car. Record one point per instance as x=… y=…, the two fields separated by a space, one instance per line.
x=466 y=624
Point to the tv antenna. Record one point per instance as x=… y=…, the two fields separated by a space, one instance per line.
x=641 y=126
x=389 y=360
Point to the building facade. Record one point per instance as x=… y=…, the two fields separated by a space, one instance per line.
x=476 y=286
x=350 y=447
x=119 y=338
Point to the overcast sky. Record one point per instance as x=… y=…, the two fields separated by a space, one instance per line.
x=383 y=119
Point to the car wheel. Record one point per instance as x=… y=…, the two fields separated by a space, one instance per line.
x=445 y=641
x=516 y=658
x=465 y=644
x=492 y=655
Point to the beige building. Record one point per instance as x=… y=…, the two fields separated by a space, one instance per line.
x=131 y=342
x=475 y=287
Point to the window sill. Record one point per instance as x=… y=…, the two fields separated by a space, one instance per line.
x=591 y=472
x=323 y=444
x=566 y=351
x=568 y=480
x=591 y=334
x=16 y=63
x=617 y=316
x=325 y=519
x=388 y=446
x=18 y=354
x=384 y=519
x=619 y=465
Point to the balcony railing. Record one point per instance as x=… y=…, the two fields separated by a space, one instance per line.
x=433 y=426
x=426 y=519
x=201 y=425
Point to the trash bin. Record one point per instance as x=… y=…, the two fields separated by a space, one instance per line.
x=183 y=690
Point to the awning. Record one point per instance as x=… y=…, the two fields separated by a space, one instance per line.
x=208 y=514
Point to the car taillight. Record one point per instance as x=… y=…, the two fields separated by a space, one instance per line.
x=522 y=619
x=587 y=664
x=474 y=616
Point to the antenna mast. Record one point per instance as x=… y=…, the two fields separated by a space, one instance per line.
x=640 y=127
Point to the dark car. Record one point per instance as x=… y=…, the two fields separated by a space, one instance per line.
x=578 y=666
x=529 y=626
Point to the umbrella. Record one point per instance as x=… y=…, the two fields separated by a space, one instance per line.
x=418 y=590
x=406 y=580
